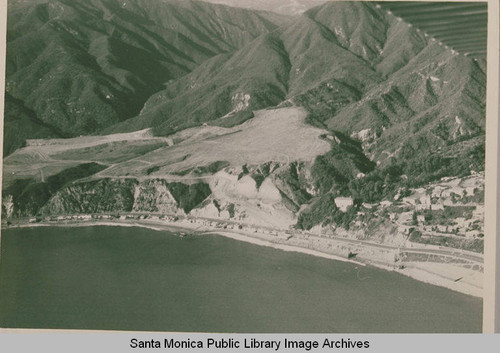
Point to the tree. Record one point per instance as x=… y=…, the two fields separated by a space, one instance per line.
x=428 y=215
x=414 y=219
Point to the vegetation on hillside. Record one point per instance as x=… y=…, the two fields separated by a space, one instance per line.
x=323 y=212
x=397 y=109
x=30 y=196
x=20 y=124
x=82 y=66
x=189 y=196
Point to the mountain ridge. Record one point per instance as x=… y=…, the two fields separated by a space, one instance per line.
x=388 y=109
x=96 y=52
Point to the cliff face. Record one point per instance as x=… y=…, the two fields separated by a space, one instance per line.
x=267 y=195
x=108 y=195
x=153 y=196
x=269 y=122
x=105 y=195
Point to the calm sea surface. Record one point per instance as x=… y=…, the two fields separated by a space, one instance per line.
x=140 y=279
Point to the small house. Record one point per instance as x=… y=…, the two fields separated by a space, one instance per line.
x=343 y=203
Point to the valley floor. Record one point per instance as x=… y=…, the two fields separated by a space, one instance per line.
x=461 y=271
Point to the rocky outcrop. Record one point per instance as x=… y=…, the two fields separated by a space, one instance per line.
x=153 y=196
x=104 y=195
x=125 y=195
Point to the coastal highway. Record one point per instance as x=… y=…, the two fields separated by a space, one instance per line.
x=441 y=251
x=424 y=250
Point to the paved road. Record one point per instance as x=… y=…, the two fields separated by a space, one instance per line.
x=442 y=251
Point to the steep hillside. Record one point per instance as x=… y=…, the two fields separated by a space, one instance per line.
x=81 y=66
x=318 y=57
x=262 y=171
x=439 y=100
x=20 y=123
x=383 y=40
x=355 y=67
x=29 y=196
x=425 y=117
x=226 y=88
x=238 y=114
x=274 y=67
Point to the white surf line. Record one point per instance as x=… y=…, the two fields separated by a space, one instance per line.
x=284 y=247
x=180 y=228
x=413 y=272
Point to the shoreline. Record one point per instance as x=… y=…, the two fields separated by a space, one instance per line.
x=434 y=273
x=283 y=247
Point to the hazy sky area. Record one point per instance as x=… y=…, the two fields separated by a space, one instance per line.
x=287 y=7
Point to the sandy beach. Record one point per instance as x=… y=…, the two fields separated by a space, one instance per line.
x=453 y=277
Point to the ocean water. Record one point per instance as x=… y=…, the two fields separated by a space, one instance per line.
x=118 y=278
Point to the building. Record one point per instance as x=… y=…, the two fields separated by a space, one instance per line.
x=85 y=217
x=470 y=190
x=406 y=217
x=425 y=200
x=343 y=203
x=479 y=211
